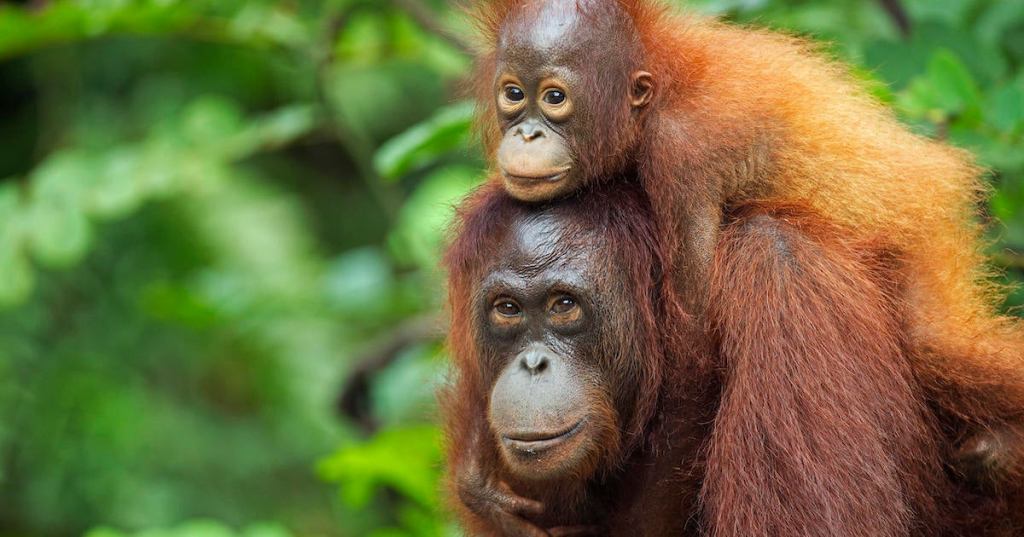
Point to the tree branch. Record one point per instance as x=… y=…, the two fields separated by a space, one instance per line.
x=898 y=14
x=353 y=402
x=355 y=143
x=428 y=20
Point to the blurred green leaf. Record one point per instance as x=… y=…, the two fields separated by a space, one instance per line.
x=381 y=100
x=946 y=91
x=998 y=19
x=359 y=284
x=1006 y=108
x=197 y=528
x=950 y=11
x=254 y=23
x=211 y=120
x=15 y=273
x=59 y=233
x=446 y=131
x=274 y=23
x=954 y=87
x=421 y=226
x=899 y=62
x=405 y=391
x=360 y=468
x=364 y=40
x=73 y=186
x=273 y=130
x=116 y=191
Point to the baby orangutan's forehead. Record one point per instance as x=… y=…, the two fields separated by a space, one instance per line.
x=542 y=27
x=557 y=31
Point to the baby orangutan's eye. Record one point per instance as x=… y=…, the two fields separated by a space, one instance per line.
x=554 y=97
x=514 y=94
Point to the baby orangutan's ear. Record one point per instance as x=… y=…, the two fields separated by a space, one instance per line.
x=641 y=89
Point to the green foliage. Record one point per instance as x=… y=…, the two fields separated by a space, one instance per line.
x=74 y=187
x=426 y=143
x=361 y=468
x=213 y=211
x=197 y=528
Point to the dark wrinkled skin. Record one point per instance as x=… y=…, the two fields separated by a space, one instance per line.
x=555 y=407
x=545 y=358
x=539 y=364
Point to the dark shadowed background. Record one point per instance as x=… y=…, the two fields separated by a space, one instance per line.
x=218 y=216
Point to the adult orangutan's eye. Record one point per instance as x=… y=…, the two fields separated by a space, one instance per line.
x=507 y=308
x=514 y=94
x=563 y=304
x=554 y=97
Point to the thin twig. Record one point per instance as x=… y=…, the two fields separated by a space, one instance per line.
x=898 y=14
x=1009 y=259
x=355 y=143
x=429 y=21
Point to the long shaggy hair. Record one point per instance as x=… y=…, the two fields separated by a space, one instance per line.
x=782 y=122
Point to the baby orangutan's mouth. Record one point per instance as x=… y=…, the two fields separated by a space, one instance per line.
x=545 y=177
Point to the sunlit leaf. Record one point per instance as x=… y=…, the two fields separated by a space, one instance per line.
x=266 y=530
x=364 y=39
x=445 y=131
x=271 y=130
x=211 y=120
x=359 y=466
x=270 y=22
x=116 y=189
x=104 y=532
x=954 y=86
x=64 y=177
x=59 y=234
x=197 y=528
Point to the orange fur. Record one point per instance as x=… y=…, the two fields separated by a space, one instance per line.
x=743 y=113
x=822 y=428
x=796 y=412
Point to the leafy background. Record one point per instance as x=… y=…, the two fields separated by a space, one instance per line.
x=216 y=216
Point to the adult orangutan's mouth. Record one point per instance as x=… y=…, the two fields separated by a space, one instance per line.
x=535 y=441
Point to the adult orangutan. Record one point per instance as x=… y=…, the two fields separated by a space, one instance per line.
x=707 y=115
x=795 y=412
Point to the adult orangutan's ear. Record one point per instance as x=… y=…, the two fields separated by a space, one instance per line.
x=641 y=89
